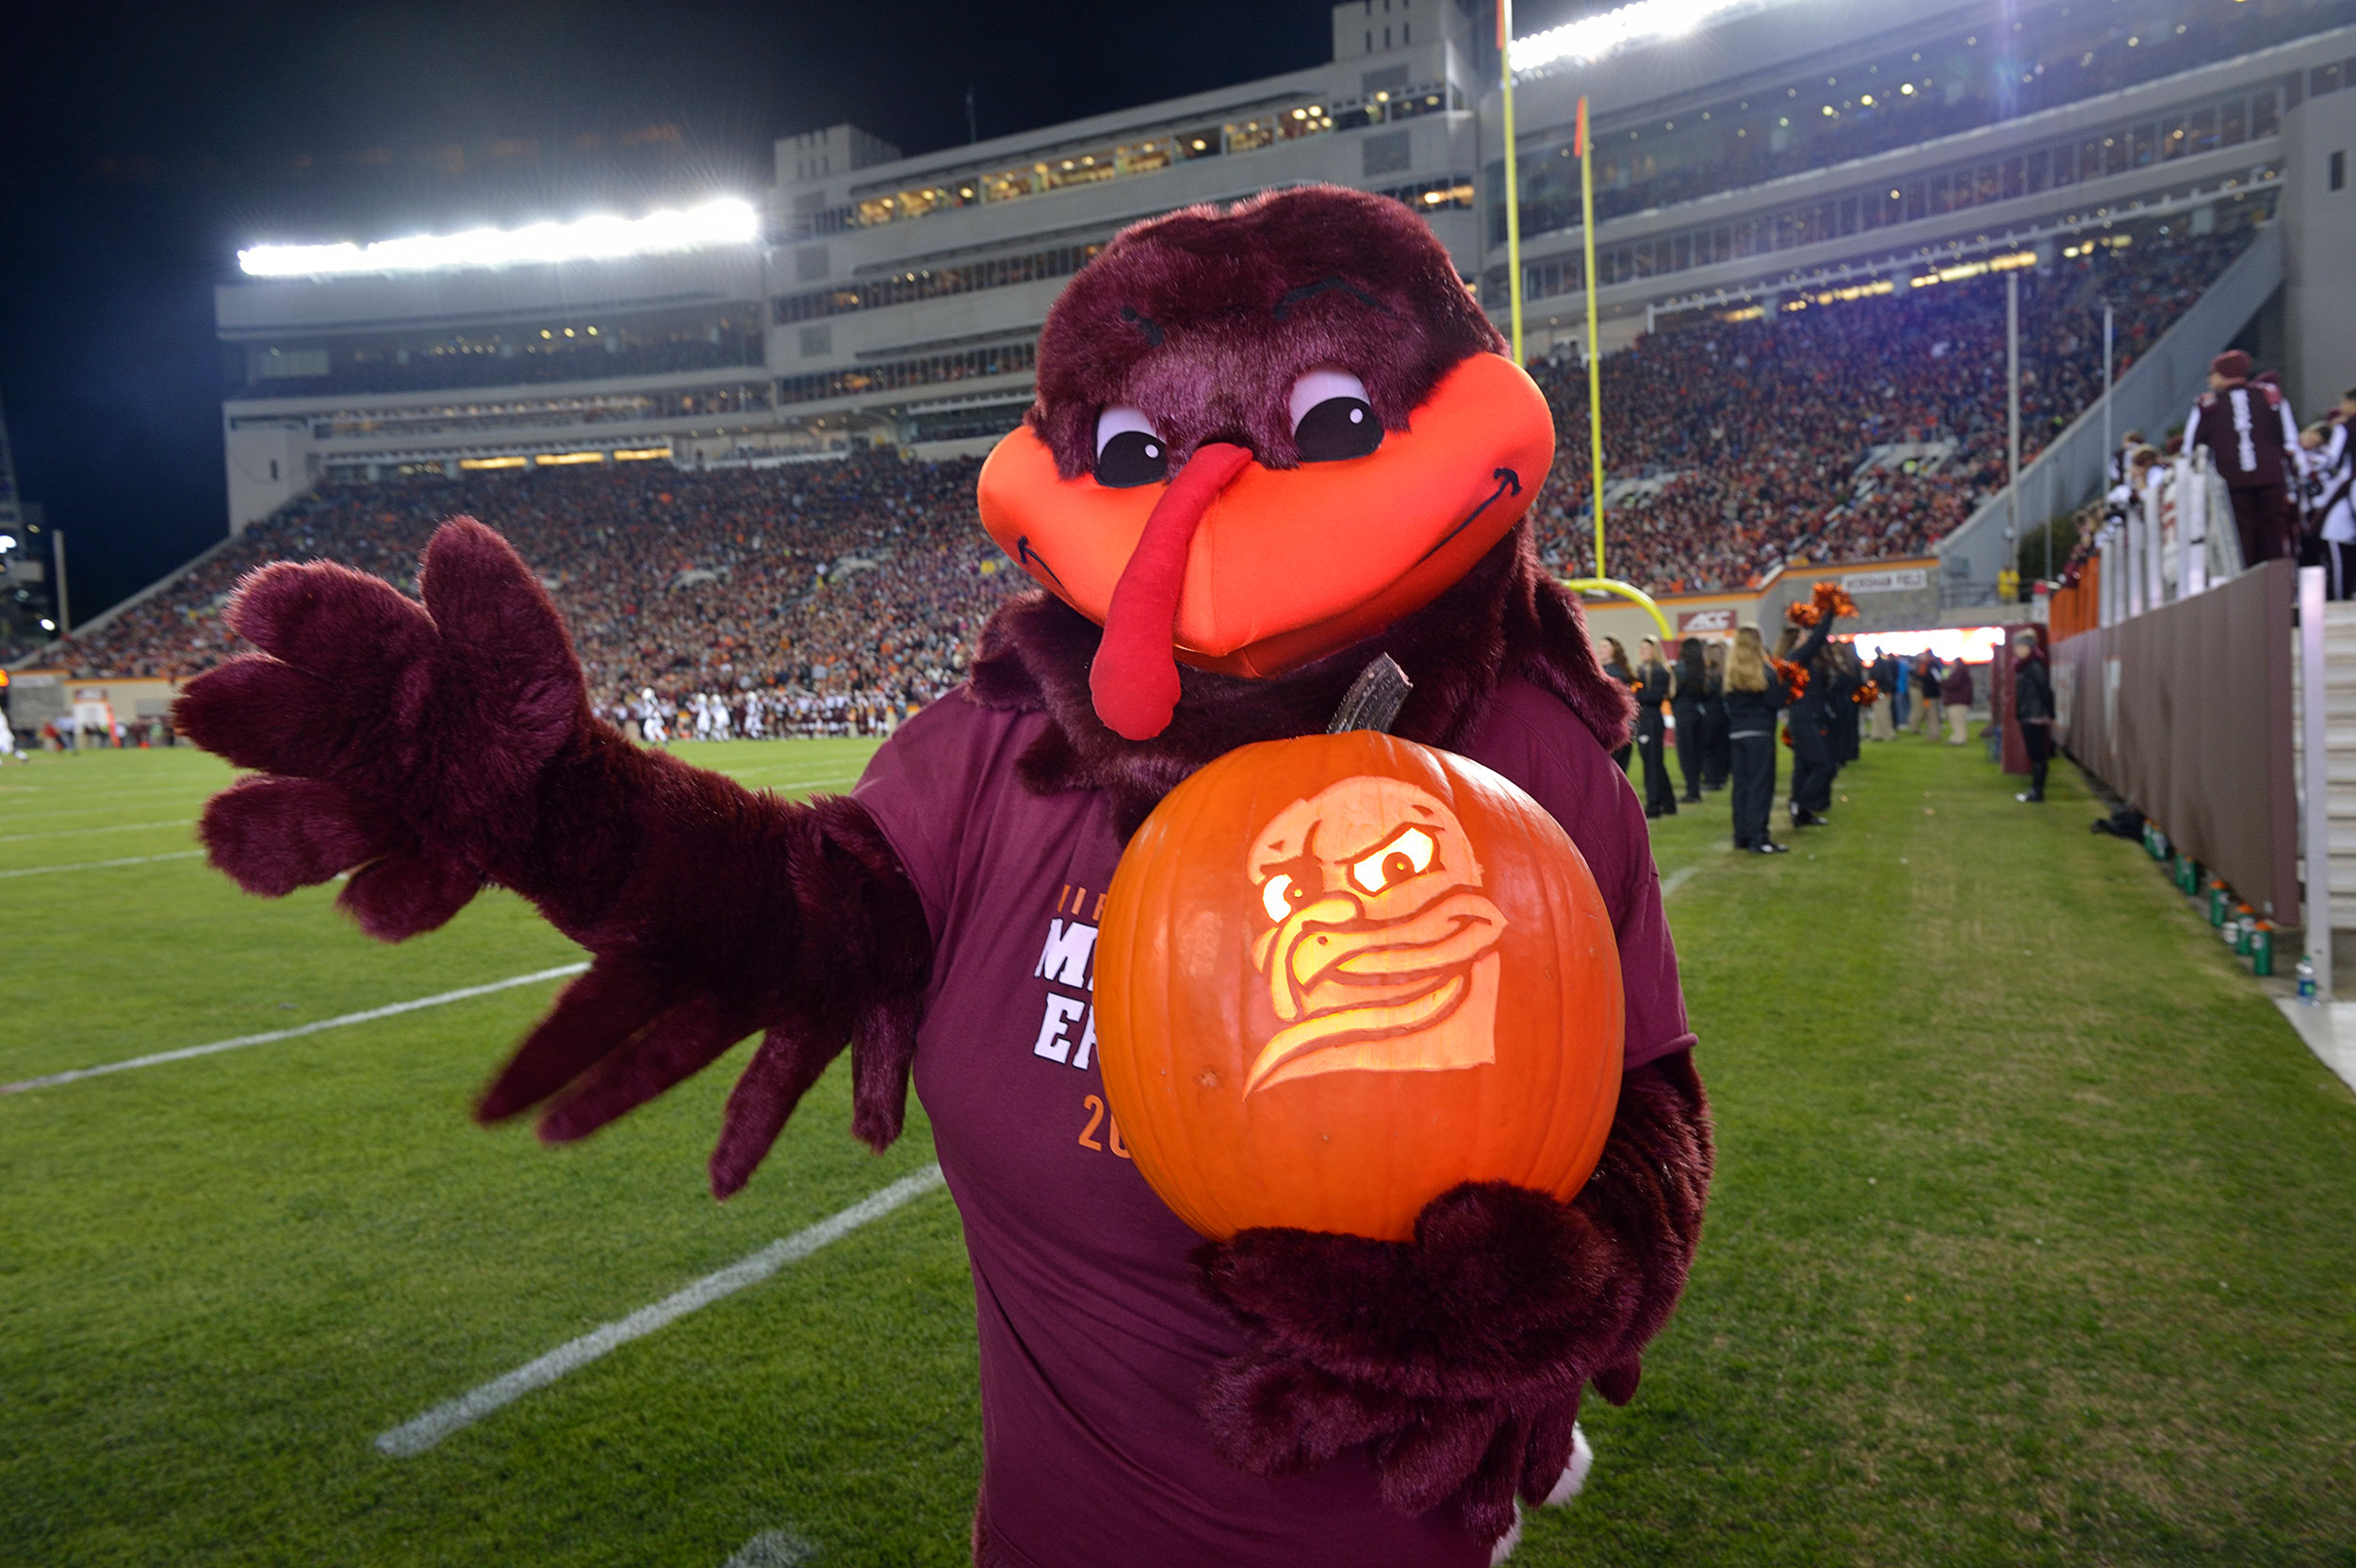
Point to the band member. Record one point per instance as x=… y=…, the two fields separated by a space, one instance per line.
x=2330 y=466
x=2250 y=434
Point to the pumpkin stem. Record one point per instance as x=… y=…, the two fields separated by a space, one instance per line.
x=1374 y=698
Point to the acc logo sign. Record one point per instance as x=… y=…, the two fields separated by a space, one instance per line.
x=1706 y=620
x=1379 y=953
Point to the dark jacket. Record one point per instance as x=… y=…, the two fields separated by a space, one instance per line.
x=1812 y=703
x=1956 y=691
x=2032 y=691
x=1652 y=690
x=1754 y=712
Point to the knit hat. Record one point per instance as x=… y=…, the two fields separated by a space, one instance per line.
x=2233 y=364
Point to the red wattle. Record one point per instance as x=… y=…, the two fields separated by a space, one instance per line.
x=1134 y=680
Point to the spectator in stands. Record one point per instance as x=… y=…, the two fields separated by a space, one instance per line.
x=1954 y=695
x=1653 y=684
x=1689 y=705
x=2033 y=707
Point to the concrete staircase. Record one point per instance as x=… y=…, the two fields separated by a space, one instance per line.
x=2339 y=660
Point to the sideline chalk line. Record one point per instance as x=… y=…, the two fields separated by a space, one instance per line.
x=415 y=1437
x=100 y=865
x=84 y=832
x=77 y=1075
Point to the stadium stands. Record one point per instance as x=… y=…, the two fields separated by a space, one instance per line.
x=863 y=577
x=1754 y=433
x=853 y=587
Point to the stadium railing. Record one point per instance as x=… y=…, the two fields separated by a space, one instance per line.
x=2153 y=395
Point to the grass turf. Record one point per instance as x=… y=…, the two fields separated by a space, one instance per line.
x=2030 y=1241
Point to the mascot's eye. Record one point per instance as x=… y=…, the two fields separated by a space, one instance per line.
x=1331 y=418
x=1405 y=855
x=1280 y=895
x=1129 y=450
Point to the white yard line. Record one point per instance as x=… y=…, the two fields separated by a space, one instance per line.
x=82 y=832
x=415 y=1437
x=393 y=1010
x=1684 y=874
x=772 y=1549
x=100 y=865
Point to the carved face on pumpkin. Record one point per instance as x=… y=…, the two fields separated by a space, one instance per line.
x=1261 y=435
x=1379 y=953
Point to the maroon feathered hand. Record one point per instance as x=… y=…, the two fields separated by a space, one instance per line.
x=428 y=748
x=396 y=740
x=1458 y=1358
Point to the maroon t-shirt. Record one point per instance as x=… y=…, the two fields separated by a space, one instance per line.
x=1095 y=1341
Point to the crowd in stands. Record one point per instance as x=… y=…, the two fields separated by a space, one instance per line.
x=1756 y=431
x=849 y=591
x=862 y=578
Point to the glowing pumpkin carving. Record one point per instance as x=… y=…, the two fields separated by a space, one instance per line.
x=1340 y=974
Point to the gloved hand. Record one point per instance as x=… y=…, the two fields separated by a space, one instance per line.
x=1459 y=1358
x=404 y=739
x=430 y=748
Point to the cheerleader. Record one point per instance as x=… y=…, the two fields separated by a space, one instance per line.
x=1652 y=690
x=1841 y=709
x=1689 y=704
x=1615 y=665
x=1755 y=692
x=1810 y=717
x=1719 y=763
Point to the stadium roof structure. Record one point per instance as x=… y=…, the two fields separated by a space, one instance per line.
x=1751 y=155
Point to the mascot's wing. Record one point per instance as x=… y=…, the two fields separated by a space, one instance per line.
x=430 y=748
x=1460 y=1357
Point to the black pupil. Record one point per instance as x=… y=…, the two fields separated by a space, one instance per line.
x=1338 y=428
x=1132 y=458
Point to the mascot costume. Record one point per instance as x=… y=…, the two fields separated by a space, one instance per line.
x=1271 y=445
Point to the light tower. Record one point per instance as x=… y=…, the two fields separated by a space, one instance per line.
x=32 y=590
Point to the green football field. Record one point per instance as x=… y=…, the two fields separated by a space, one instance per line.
x=2033 y=1240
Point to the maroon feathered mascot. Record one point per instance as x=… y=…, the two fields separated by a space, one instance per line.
x=1270 y=444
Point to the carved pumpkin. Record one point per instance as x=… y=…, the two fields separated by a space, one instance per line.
x=1340 y=974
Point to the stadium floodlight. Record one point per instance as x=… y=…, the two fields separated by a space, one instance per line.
x=1592 y=37
x=726 y=222
x=7 y=542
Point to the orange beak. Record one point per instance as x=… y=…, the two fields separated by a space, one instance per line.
x=1260 y=570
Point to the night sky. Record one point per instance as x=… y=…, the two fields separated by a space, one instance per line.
x=139 y=147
